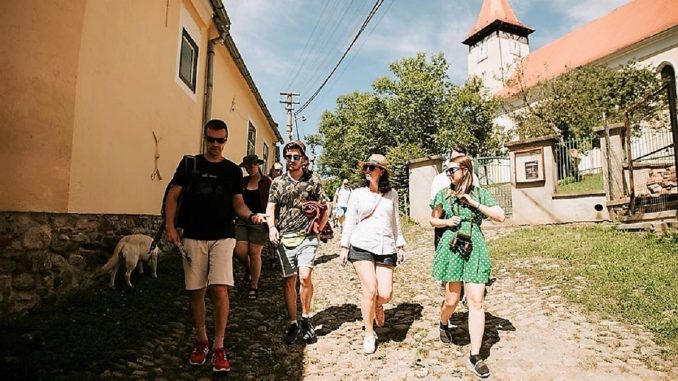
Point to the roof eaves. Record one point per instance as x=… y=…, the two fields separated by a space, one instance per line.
x=223 y=23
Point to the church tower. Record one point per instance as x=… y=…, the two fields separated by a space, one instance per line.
x=496 y=43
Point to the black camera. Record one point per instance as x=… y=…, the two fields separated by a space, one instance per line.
x=463 y=244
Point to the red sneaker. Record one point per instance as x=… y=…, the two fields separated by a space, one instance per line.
x=219 y=361
x=199 y=354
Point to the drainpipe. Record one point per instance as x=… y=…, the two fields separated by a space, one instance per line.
x=209 y=74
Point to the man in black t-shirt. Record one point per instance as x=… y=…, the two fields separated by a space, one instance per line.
x=212 y=199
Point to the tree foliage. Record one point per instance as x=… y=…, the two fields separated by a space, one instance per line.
x=416 y=112
x=574 y=104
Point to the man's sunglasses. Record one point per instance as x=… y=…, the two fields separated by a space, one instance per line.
x=369 y=167
x=215 y=140
x=293 y=157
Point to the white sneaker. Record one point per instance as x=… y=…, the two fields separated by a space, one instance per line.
x=370 y=344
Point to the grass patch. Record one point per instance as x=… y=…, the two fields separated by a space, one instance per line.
x=626 y=276
x=587 y=184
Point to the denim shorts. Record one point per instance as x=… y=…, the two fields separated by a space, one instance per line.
x=358 y=254
x=301 y=256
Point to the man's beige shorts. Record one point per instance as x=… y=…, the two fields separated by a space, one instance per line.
x=211 y=263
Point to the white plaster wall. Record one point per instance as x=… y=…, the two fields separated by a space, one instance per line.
x=421 y=176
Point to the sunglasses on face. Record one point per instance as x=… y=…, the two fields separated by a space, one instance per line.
x=450 y=171
x=369 y=167
x=293 y=157
x=211 y=139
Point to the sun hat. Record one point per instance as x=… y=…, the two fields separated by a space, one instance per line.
x=378 y=160
x=251 y=160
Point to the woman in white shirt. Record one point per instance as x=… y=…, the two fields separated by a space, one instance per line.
x=373 y=241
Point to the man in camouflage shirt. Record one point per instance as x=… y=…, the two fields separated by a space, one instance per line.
x=295 y=249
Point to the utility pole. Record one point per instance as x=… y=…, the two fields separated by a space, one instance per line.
x=312 y=158
x=289 y=102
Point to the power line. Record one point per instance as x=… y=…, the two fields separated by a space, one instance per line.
x=306 y=50
x=323 y=60
x=360 y=46
x=376 y=6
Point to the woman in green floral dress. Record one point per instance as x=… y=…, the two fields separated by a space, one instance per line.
x=461 y=260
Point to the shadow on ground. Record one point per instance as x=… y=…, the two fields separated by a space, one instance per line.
x=330 y=319
x=493 y=324
x=145 y=333
x=398 y=321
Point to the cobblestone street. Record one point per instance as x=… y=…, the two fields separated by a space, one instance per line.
x=531 y=332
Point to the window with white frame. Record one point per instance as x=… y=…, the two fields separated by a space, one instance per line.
x=515 y=47
x=265 y=158
x=188 y=60
x=482 y=51
x=251 y=139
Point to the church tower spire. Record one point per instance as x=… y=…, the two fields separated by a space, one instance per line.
x=496 y=42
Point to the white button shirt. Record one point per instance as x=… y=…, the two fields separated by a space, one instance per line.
x=380 y=233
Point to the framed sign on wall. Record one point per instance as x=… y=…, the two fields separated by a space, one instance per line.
x=529 y=165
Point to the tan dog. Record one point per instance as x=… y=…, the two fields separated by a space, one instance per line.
x=133 y=249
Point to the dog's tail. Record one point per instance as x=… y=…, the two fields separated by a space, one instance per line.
x=113 y=262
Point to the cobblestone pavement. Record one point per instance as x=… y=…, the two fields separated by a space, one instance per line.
x=531 y=333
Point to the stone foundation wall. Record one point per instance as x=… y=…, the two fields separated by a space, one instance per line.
x=44 y=256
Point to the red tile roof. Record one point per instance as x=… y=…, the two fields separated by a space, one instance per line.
x=493 y=10
x=623 y=27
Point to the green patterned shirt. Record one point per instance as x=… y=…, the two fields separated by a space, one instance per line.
x=289 y=194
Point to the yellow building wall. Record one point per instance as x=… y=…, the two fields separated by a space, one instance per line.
x=234 y=102
x=87 y=84
x=40 y=43
x=128 y=89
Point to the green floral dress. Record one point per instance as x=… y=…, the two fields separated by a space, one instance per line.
x=448 y=264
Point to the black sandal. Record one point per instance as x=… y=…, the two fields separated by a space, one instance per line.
x=252 y=294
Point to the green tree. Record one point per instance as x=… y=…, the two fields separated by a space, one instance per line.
x=574 y=104
x=471 y=114
x=415 y=113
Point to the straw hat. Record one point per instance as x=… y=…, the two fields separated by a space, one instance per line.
x=378 y=160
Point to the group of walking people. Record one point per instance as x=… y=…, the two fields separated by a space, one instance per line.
x=223 y=213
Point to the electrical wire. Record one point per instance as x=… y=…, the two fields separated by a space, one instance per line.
x=374 y=10
x=306 y=50
x=359 y=48
x=324 y=57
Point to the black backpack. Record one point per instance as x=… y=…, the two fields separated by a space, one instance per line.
x=190 y=166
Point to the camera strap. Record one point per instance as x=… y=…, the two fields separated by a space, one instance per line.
x=458 y=211
x=373 y=209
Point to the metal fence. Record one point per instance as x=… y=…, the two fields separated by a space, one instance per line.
x=579 y=165
x=652 y=158
x=653 y=147
x=494 y=174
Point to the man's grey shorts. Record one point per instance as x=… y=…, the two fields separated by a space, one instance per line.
x=301 y=256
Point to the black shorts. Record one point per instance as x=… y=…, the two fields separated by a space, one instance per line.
x=358 y=254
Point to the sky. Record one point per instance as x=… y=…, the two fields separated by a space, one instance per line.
x=292 y=45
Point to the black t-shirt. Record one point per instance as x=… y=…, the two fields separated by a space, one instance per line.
x=253 y=200
x=208 y=204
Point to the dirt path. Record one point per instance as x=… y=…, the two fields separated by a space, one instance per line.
x=531 y=333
